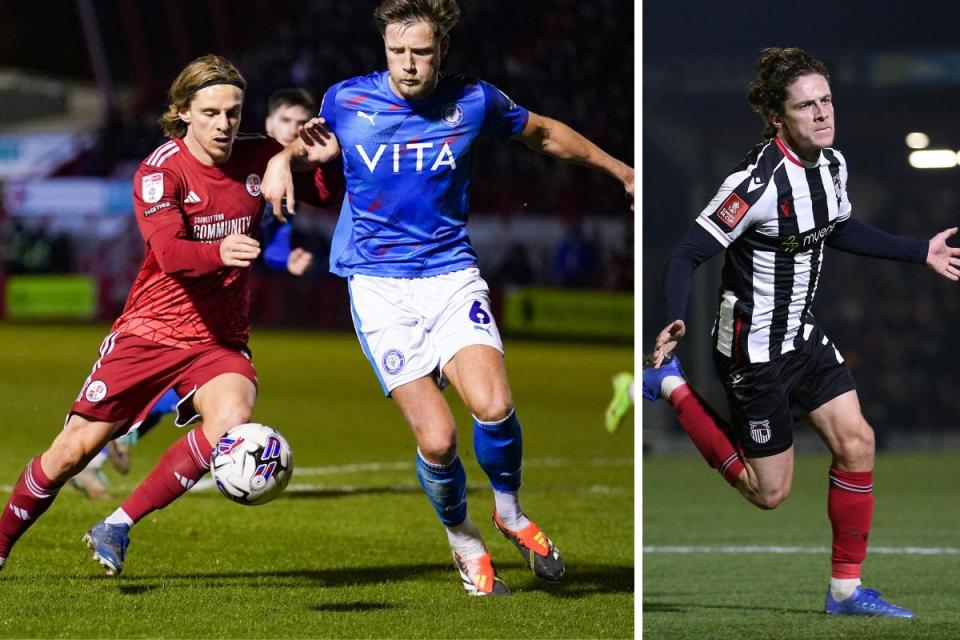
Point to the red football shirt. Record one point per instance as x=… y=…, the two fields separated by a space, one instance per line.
x=183 y=295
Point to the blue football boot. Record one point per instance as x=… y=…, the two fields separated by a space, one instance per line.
x=109 y=545
x=653 y=378
x=864 y=602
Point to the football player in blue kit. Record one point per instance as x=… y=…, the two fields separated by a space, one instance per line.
x=420 y=308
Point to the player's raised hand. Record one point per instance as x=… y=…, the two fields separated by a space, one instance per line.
x=319 y=142
x=238 y=250
x=667 y=341
x=277 y=185
x=943 y=258
x=628 y=187
x=299 y=261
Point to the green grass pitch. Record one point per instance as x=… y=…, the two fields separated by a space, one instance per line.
x=762 y=595
x=350 y=553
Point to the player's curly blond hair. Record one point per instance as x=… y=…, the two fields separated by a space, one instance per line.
x=203 y=72
x=776 y=70
x=444 y=14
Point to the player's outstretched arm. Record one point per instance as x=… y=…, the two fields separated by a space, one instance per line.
x=943 y=258
x=277 y=183
x=315 y=145
x=556 y=139
x=863 y=239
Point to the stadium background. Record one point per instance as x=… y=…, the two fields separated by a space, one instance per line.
x=536 y=223
x=353 y=549
x=713 y=565
x=892 y=73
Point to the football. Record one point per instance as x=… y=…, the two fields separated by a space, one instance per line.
x=252 y=464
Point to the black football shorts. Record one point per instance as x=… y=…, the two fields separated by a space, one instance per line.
x=764 y=396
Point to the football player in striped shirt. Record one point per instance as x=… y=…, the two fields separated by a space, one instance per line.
x=421 y=310
x=773 y=216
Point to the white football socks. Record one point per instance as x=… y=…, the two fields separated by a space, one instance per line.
x=670 y=384
x=465 y=540
x=119 y=517
x=509 y=511
x=843 y=588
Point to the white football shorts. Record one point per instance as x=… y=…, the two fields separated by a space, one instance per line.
x=411 y=327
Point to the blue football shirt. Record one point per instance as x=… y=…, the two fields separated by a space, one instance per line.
x=407 y=170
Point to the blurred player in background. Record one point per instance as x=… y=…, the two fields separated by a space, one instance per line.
x=621 y=402
x=185 y=324
x=287 y=111
x=773 y=215
x=421 y=309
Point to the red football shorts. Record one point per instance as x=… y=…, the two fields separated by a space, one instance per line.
x=132 y=374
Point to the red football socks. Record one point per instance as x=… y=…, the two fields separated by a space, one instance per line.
x=850 y=507
x=185 y=462
x=31 y=496
x=709 y=432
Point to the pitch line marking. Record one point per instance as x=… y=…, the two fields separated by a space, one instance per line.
x=917 y=551
x=405 y=465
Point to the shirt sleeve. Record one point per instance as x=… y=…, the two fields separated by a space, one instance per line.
x=502 y=116
x=328 y=106
x=157 y=198
x=854 y=236
x=734 y=208
x=323 y=187
x=697 y=247
x=276 y=237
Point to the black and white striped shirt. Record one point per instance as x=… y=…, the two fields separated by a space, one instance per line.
x=773 y=214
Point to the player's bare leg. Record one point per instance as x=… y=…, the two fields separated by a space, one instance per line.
x=36 y=488
x=850 y=439
x=223 y=402
x=443 y=479
x=478 y=374
x=766 y=482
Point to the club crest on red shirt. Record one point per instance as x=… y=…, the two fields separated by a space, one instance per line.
x=253 y=185
x=732 y=210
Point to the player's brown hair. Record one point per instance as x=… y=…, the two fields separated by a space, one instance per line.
x=776 y=70
x=444 y=14
x=203 y=72
x=291 y=97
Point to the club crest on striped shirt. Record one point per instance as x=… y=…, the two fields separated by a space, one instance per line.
x=760 y=431
x=838 y=187
x=732 y=210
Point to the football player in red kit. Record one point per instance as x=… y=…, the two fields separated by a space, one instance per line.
x=185 y=324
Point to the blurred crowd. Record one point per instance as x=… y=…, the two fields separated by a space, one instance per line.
x=894 y=322
x=549 y=57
